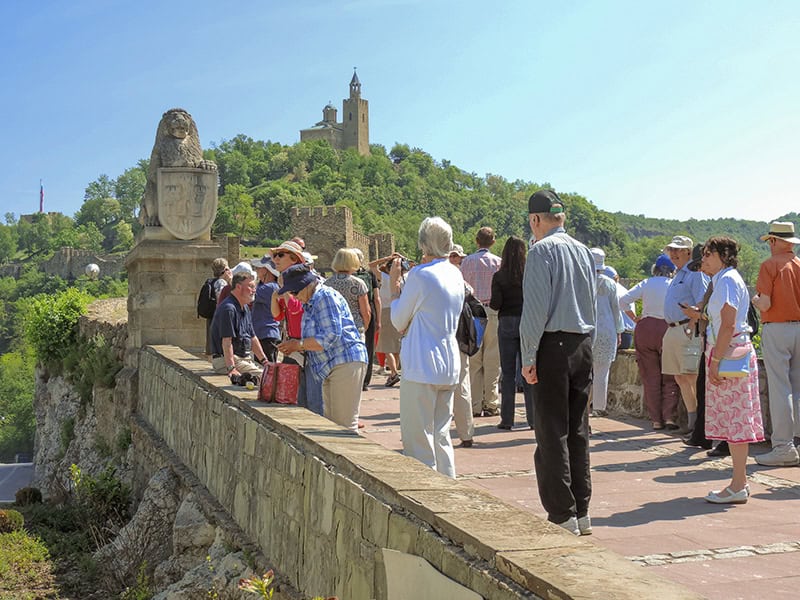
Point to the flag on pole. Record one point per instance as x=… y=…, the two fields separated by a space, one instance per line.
x=41 y=196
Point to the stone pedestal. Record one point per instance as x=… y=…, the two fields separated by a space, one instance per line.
x=164 y=278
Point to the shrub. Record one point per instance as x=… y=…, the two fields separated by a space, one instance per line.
x=51 y=323
x=104 y=502
x=11 y=520
x=91 y=362
x=28 y=495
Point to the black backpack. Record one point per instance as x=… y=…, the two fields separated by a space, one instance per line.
x=473 y=317
x=207 y=300
x=753 y=319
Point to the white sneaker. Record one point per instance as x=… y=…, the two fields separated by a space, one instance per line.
x=585 y=525
x=780 y=456
x=571 y=525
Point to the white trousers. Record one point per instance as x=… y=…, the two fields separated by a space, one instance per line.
x=425 y=414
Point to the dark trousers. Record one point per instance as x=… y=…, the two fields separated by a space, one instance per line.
x=561 y=398
x=699 y=432
x=660 y=391
x=508 y=342
x=369 y=340
x=270 y=348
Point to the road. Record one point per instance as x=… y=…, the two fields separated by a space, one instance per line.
x=13 y=477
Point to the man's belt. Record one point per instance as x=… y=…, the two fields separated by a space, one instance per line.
x=683 y=322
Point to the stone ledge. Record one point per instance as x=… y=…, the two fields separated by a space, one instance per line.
x=499 y=541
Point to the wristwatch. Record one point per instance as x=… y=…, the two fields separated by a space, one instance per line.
x=302 y=345
x=230 y=368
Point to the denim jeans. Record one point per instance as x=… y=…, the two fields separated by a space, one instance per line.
x=508 y=341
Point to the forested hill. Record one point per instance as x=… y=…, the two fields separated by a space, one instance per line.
x=387 y=191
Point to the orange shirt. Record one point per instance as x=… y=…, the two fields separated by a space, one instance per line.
x=779 y=278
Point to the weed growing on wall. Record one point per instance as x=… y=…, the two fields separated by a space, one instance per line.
x=89 y=362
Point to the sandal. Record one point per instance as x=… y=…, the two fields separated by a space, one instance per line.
x=392 y=380
x=658 y=425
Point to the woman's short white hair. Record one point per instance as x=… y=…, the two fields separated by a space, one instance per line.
x=435 y=237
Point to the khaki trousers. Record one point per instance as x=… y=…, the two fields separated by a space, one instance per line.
x=462 y=403
x=243 y=365
x=341 y=393
x=484 y=368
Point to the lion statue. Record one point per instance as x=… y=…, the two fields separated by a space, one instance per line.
x=177 y=145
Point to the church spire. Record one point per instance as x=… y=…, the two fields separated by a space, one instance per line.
x=355 y=85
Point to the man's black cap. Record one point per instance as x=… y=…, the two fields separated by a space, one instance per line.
x=545 y=201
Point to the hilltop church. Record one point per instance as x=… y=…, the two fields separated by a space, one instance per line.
x=352 y=132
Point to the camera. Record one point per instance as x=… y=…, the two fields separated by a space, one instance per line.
x=243 y=379
x=405 y=266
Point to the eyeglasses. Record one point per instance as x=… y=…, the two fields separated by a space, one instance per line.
x=279 y=255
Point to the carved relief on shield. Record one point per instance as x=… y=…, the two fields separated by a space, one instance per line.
x=187 y=201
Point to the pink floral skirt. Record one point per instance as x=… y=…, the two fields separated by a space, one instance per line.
x=733 y=408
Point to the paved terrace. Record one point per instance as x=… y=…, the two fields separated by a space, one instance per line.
x=647 y=502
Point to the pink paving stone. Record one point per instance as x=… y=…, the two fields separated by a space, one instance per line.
x=643 y=502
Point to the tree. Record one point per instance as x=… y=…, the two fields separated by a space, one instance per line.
x=129 y=189
x=8 y=242
x=236 y=213
x=102 y=187
x=17 y=421
x=100 y=211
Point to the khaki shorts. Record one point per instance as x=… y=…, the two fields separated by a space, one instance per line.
x=672 y=351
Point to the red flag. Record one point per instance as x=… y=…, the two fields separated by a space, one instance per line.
x=41 y=196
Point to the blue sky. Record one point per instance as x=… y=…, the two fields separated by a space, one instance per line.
x=671 y=109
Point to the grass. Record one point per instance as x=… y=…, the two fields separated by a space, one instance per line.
x=50 y=559
x=25 y=567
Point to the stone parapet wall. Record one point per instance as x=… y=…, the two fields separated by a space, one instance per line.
x=336 y=513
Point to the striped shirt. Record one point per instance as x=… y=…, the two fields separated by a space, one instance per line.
x=478 y=269
x=559 y=288
x=327 y=319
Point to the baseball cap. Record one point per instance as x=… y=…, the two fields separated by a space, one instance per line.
x=545 y=201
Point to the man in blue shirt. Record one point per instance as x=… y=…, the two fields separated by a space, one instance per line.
x=559 y=315
x=687 y=289
x=233 y=339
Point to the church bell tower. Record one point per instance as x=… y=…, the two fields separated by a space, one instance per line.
x=355 y=118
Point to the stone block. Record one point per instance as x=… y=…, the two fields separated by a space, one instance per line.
x=318 y=500
x=579 y=571
x=375 y=524
x=349 y=494
x=403 y=534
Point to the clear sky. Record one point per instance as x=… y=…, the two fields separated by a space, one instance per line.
x=669 y=109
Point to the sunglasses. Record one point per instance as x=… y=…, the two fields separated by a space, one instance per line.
x=280 y=255
x=708 y=252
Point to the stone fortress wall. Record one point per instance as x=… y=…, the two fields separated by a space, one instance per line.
x=328 y=228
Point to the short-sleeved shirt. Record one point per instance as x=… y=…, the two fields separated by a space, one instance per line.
x=687 y=287
x=729 y=288
x=478 y=269
x=652 y=293
x=232 y=320
x=779 y=278
x=351 y=288
x=327 y=318
x=265 y=326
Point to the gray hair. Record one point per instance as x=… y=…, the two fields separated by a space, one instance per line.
x=435 y=237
